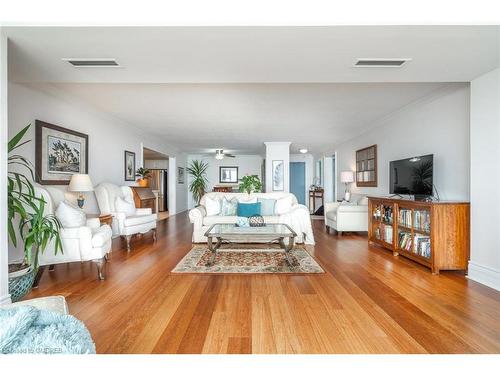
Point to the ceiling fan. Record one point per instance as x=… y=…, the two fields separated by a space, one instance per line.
x=219 y=155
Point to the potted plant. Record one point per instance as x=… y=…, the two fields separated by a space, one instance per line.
x=35 y=229
x=250 y=184
x=198 y=172
x=144 y=174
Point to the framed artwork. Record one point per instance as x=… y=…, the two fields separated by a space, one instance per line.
x=129 y=165
x=278 y=175
x=59 y=153
x=366 y=167
x=180 y=175
x=228 y=175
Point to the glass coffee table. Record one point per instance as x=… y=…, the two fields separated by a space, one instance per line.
x=270 y=233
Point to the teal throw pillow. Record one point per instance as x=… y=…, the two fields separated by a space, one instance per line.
x=267 y=206
x=248 y=209
x=242 y=222
x=229 y=207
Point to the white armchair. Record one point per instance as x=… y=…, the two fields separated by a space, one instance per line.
x=91 y=242
x=351 y=217
x=142 y=220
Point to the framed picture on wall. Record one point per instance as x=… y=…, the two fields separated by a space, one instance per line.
x=129 y=166
x=228 y=175
x=59 y=153
x=366 y=166
x=180 y=175
x=278 y=175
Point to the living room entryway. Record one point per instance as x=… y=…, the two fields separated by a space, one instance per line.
x=298 y=180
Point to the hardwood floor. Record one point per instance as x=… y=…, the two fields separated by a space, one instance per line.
x=366 y=302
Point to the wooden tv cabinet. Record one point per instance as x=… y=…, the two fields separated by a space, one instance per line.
x=434 y=234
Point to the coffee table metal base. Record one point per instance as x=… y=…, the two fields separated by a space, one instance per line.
x=214 y=246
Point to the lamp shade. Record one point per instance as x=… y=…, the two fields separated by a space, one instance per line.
x=80 y=182
x=347 y=176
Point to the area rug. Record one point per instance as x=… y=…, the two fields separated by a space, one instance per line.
x=242 y=259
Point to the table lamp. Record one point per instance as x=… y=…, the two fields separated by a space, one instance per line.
x=347 y=177
x=80 y=183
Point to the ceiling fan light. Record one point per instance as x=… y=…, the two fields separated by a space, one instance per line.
x=219 y=156
x=303 y=150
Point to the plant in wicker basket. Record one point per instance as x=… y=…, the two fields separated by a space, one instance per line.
x=35 y=229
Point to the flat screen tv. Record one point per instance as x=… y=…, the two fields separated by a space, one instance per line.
x=412 y=176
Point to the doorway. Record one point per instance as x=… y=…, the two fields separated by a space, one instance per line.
x=157 y=163
x=298 y=181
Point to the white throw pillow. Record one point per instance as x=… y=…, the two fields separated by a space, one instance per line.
x=125 y=205
x=70 y=216
x=247 y=200
x=212 y=206
x=283 y=205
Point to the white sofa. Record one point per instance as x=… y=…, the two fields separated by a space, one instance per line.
x=298 y=218
x=347 y=216
x=127 y=225
x=91 y=242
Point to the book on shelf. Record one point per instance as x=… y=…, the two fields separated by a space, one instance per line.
x=422 y=245
x=404 y=240
x=422 y=220
x=404 y=217
x=387 y=233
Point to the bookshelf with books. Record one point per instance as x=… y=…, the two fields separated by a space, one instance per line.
x=434 y=234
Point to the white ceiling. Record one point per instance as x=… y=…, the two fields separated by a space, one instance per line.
x=253 y=54
x=149 y=154
x=235 y=87
x=240 y=117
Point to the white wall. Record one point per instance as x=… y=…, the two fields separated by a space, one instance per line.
x=181 y=189
x=277 y=151
x=247 y=165
x=484 y=265
x=437 y=124
x=109 y=137
x=4 y=272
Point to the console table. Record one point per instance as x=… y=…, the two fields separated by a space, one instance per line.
x=314 y=194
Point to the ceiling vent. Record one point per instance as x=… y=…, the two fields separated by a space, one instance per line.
x=381 y=63
x=92 y=63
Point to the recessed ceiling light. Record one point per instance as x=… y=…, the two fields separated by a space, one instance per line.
x=381 y=62
x=92 y=63
x=303 y=150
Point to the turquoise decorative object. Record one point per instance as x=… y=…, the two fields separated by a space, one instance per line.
x=242 y=222
x=28 y=330
x=248 y=209
x=267 y=206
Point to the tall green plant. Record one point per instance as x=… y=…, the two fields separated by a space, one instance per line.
x=20 y=190
x=250 y=184
x=198 y=172
x=35 y=228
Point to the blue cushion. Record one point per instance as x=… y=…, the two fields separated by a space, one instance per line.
x=267 y=206
x=248 y=209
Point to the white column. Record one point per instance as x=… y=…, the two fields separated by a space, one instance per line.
x=172 y=185
x=4 y=269
x=484 y=265
x=277 y=151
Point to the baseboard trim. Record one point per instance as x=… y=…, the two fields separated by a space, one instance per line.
x=5 y=300
x=484 y=275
